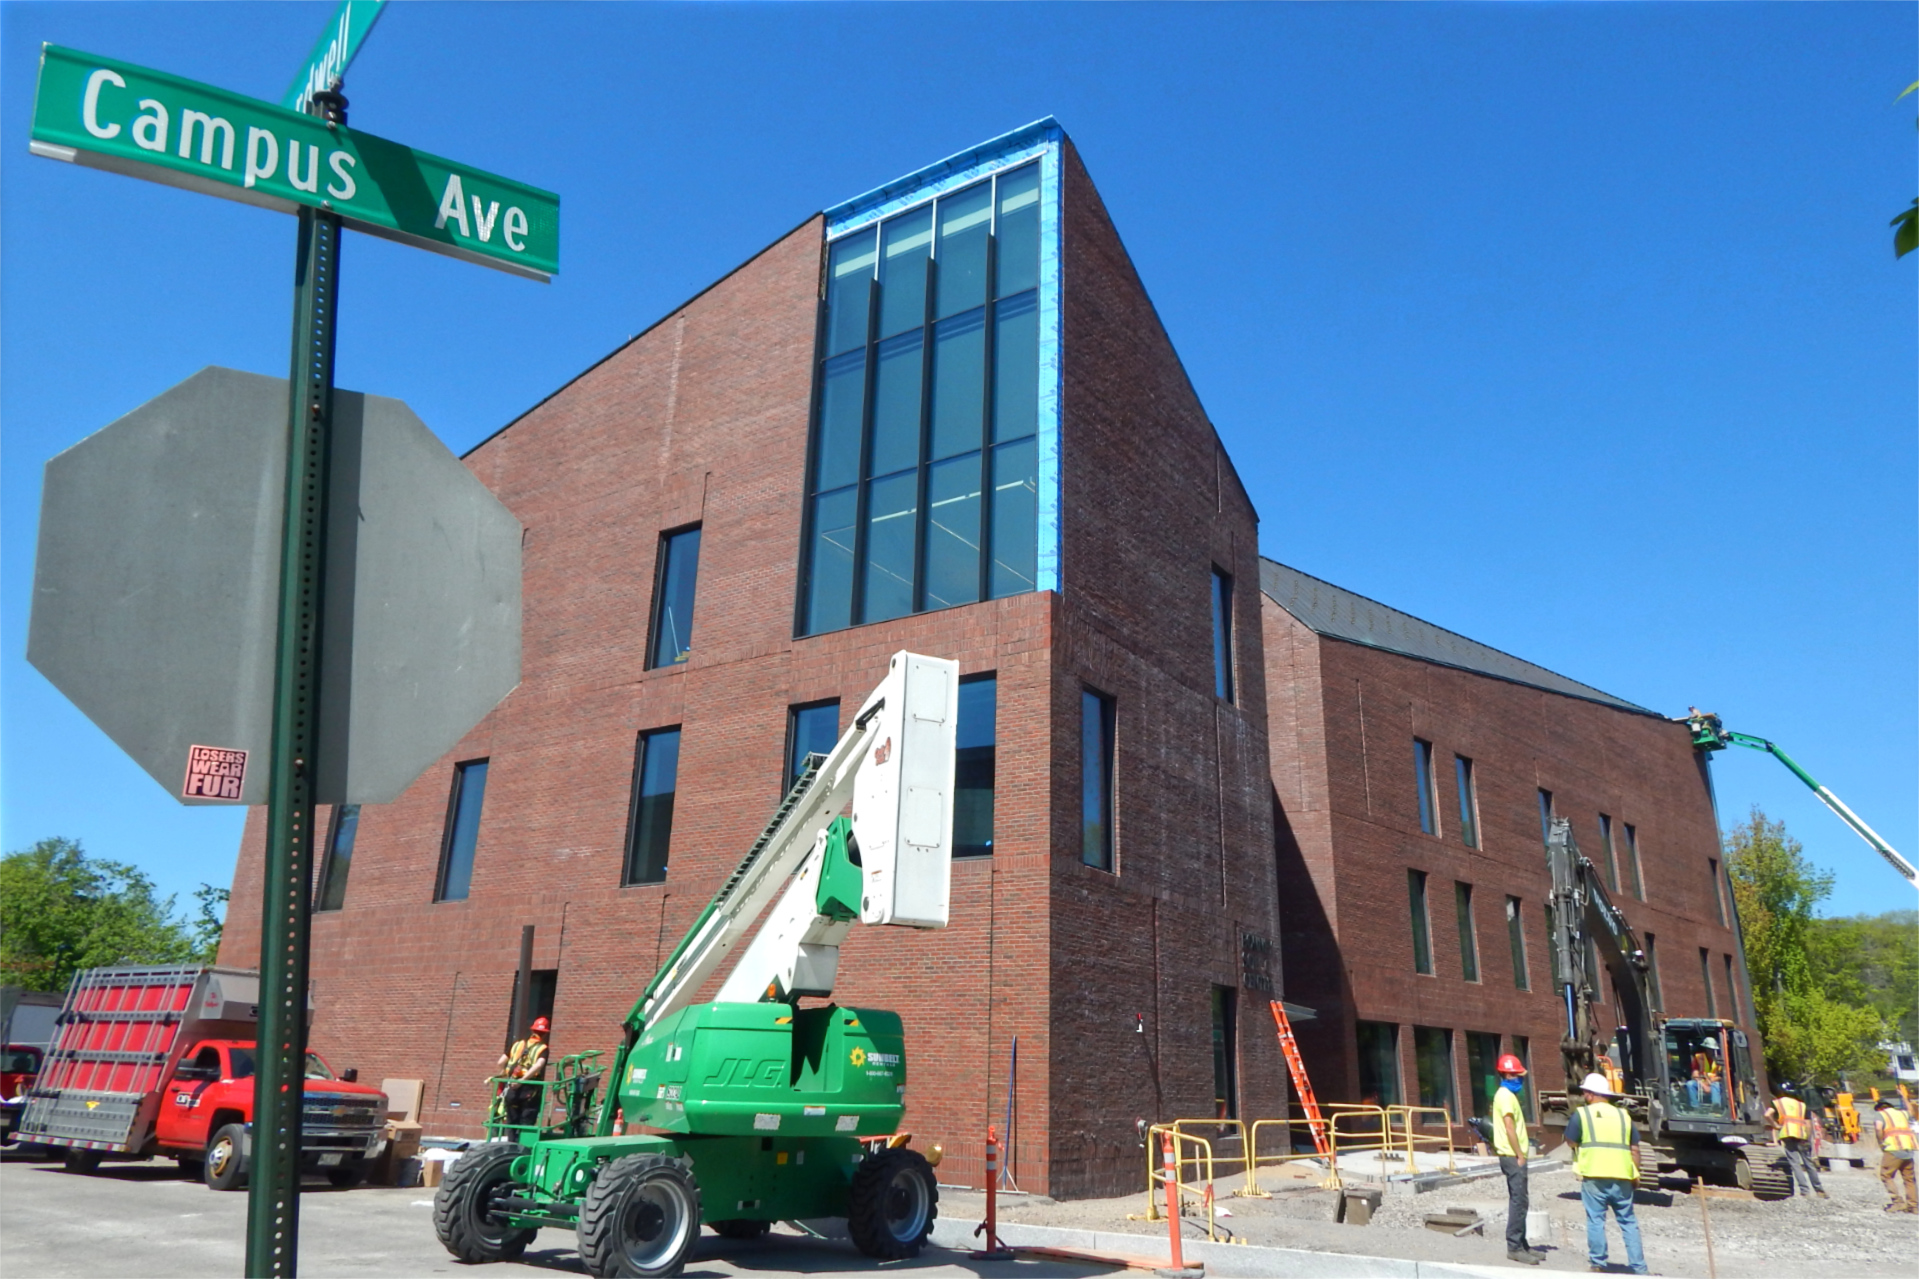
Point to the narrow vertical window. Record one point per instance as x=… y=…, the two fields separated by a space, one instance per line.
x=462 y=831
x=1705 y=979
x=1652 y=972
x=674 y=584
x=1632 y=861
x=1225 y=1054
x=1423 y=778
x=1378 y=1063
x=1482 y=1074
x=1523 y=1049
x=1545 y=816
x=812 y=729
x=1468 y=801
x=1606 y=851
x=1433 y=1055
x=1468 y=938
x=649 y=820
x=1422 y=941
x=1096 y=779
x=1718 y=893
x=339 y=857
x=973 y=767
x=1222 y=636
x=1516 y=939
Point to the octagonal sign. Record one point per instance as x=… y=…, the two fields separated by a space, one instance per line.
x=156 y=589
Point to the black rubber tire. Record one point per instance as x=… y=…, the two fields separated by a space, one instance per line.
x=462 y=1215
x=225 y=1167
x=893 y=1204
x=80 y=1162
x=640 y=1218
x=740 y=1228
x=348 y=1175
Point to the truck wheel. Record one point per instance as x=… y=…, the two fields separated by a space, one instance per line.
x=465 y=1207
x=81 y=1161
x=740 y=1229
x=347 y=1176
x=639 y=1218
x=893 y=1204
x=226 y=1165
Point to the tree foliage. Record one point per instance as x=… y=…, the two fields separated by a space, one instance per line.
x=1872 y=961
x=62 y=911
x=1814 y=1026
x=1905 y=226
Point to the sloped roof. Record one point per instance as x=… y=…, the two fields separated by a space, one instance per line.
x=1339 y=613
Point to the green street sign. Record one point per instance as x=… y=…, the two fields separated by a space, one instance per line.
x=113 y=115
x=338 y=43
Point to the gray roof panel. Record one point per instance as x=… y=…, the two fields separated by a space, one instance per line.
x=1333 y=611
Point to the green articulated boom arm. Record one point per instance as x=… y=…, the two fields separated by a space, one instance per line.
x=1709 y=734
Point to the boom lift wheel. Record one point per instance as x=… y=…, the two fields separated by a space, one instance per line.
x=639 y=1218
x=226 y=1161
x=893 y=1204
x=465 y=1208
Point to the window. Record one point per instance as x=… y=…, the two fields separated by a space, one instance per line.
x=922 y=477
x=812 y=729
x=1423 y=778
x=1611 y=862
x=675 y=579
x=973 y=767
x=462 y=830
x=1096 y=779
x=1468 y=939
x=1482 y=1077
x=1632 y=861
x=1378 y=1063
x=1705 y=979
x=1422 y=941
x=1222 y=635
x=1545 y=816
x=649 y=815
x=1433 y=1058
x=1652 y=972
x=1522 y=1049
x=541 y=986
x=1516 y=938
x=1732 y=991
x=339 y=857
x=1468 y=802
x=1225 y=1054
x=1718 y=897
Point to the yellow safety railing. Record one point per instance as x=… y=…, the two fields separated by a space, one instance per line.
x=1189 y=1152
x=1344 y=1127
x=1403 y=1135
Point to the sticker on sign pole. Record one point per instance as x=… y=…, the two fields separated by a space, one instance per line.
x=214 y=773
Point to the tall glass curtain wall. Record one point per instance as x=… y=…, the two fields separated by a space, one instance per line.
x=922 y=483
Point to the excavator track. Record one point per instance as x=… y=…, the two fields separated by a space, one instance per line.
x=1763 y=1170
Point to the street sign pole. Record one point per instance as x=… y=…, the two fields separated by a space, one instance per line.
x=273 y=1202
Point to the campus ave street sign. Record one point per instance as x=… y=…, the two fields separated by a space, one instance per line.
x=156 y=588
x=327 y=64
x=147 y=124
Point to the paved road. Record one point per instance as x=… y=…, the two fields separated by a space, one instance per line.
x=145 y=1219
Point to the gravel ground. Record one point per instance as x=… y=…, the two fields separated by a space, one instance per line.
x=1846 y=1235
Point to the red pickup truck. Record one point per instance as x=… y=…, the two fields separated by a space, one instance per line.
x=19 y=1063
x=160 y=1061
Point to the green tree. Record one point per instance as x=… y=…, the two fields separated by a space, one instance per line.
x=1811 y=1032
x=1872 y=961
x=62 y=911
x=210 y=922
x=1905 y=226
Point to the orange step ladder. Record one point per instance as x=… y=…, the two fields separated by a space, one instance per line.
x=1322 y=1143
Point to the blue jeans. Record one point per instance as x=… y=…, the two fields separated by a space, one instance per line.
x=1599 y=1194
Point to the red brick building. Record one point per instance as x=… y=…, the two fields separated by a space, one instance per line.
x=1413 y=773
x=942 y=416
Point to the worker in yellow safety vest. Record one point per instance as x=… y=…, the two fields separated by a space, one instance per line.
x=1510 y=1144
x=1790 y=1118
x=1607 y=1160
x=1896 y=1145
x=524 y=1061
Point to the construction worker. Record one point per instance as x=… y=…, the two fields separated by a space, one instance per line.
x=525 y=1060
x=1509 y=1143
x=1896 y=1143
x=1789 y=1116
x=1606 y=1157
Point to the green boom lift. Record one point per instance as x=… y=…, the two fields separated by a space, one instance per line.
x=751 y=1108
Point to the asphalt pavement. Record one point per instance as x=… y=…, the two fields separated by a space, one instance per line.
x=146 y=1220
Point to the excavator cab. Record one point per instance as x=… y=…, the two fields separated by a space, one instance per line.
x=1696 y=1070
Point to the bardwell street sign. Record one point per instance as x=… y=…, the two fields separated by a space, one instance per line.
x=147 y=124
x=326 y=65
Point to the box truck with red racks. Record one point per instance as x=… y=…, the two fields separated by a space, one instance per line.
x=154 y=1060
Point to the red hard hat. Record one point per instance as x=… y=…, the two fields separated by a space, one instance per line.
x=1510 y=1065
x=539 y=1024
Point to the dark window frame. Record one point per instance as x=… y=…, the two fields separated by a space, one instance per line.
x=1516 y=941
x=1225 y=1017
x=1441 y=1037
x=1718 y=891
x=1705 y=977
x=1420 y=909
x=1652 y=972
x=1546 y=815
x=1468 y=931
x=450 y=831
x=1468 y=800
x=1606 y=846
x=1386 y=1091
x=1428 y=787
x=642 y=745
x=793 y=759
x=335 y=868
x=655 y=632
x=992 y=765
x=1221 y=596
x=1632 y=859
x=1108 y=766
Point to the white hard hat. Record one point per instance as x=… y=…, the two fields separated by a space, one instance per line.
x=1597 y=1083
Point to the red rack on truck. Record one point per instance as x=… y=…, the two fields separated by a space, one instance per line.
x=159 y=1061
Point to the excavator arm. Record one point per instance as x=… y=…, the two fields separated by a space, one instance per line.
x=1586 y=924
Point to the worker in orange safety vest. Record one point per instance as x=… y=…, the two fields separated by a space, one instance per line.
x=1793 y=1122
x=1896 y=1146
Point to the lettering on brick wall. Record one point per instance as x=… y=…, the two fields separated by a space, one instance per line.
x=1256 y=964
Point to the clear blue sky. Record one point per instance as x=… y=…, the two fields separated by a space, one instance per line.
x=1574 y=328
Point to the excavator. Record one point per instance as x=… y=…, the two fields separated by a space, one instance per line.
x=1687 y=1081
x=751 y=1107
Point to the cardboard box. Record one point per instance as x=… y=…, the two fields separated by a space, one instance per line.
x=432 y=1172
